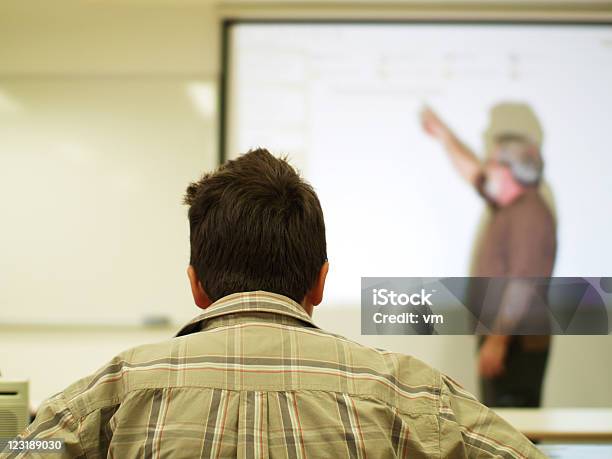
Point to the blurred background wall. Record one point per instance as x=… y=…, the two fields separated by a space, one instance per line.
x=114 y=51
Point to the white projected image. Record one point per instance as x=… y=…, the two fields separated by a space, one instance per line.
x=343 y=101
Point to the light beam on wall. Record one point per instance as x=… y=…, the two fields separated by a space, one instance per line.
x=203 y=97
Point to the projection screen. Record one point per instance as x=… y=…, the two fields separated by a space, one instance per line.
x=342 y=100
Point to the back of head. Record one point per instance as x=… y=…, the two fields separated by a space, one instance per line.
x=255 y=224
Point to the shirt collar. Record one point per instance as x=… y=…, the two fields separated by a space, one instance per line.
x=248 y=302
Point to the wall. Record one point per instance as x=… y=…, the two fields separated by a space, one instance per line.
x=133 y=41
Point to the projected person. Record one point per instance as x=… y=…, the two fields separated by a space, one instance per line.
x=518 y=240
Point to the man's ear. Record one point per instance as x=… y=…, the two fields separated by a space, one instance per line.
x=315 y=294
x=199 y=295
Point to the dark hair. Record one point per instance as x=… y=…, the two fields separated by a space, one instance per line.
x=255 y=224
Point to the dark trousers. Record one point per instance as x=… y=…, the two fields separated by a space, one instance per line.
x=521 y=384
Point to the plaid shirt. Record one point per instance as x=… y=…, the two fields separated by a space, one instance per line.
x=254 y=377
